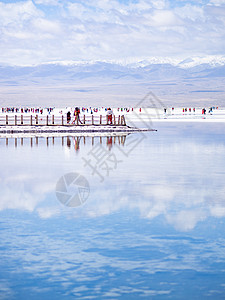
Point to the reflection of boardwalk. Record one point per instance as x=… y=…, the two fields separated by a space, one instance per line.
x=69 y=141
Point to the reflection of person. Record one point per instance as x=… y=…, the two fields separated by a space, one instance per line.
x=76 y=141
x=109 y=142
x=109 y=116
x=77 y=115
x=68 y=115
x=68 y=142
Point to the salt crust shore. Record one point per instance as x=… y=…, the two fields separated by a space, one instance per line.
x=62 y=134
x=91 y=130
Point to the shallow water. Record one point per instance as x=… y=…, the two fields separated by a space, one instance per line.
x=146 y=218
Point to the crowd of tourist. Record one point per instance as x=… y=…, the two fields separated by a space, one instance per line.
x=92 y=110
x=50 y=109
x=26 y=110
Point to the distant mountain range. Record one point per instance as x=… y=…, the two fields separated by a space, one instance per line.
x=146 y=70
x=199 y=81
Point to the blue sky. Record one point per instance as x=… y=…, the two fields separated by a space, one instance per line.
x=40 y=31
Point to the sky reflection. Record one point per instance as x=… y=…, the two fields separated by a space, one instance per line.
x=179 y=177
x=152 y=228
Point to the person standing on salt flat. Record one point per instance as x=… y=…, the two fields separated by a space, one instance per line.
x=77 y=115
x=68 y=116
x=109 y=116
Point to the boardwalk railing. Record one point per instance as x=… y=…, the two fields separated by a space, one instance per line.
x=51 y=120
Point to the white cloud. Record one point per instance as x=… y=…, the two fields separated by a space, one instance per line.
x=164 y=18
x=218 y=211
x=217 y=2
x=46 y=2
x=43 y=25
x=190 y=12
x=108 y=30
x=17 y=13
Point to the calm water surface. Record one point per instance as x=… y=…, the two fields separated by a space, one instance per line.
x=150 y=225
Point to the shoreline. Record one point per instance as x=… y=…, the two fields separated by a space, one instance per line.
x=206 y=120
x=57 y=130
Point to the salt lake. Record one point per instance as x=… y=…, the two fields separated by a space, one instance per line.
x=131 y=217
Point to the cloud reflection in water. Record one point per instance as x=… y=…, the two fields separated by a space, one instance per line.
x=153 y=228
x=179 y=178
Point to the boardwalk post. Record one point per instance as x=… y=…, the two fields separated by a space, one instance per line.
x=6 y=120
x=31 y=120
x=124 y=121
x=62 y=120
x=53 y=121
x=36 y=119
x=84 y=119
x=47 y=120
x=21 y=119
x=100 y=120
x=15 y=119
x=92 y=120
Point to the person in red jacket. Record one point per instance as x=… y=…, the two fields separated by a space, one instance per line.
x=77 y=116
x=109 y=116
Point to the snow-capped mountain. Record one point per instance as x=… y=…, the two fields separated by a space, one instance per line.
x=139 y=71
x=211 y=60
x=190 y=62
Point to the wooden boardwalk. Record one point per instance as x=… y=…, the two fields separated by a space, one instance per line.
x=53 y=120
